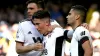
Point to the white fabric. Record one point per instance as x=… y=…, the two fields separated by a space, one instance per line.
x=76 y=37
x=50 y=41
x=24 y=36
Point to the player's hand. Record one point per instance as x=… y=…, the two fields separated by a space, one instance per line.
x=85 y=25
x=38 y=46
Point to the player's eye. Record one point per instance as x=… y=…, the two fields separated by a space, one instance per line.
x=69 y=13
x=31 y=8
x=36 y=23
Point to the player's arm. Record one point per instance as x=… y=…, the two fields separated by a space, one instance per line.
x=20 y=38
x=85 y=40
x=86 y=46
x=24 y=49
x=66 y=49
x=66 y=54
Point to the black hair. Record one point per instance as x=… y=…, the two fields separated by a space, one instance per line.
x=39 y=3
x=41 y=14
x=82 y=10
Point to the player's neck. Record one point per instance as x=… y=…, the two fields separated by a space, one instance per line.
x=50 y=29
x=30 y=17
x=76 y=24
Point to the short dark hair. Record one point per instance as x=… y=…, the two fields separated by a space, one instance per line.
x=39 y=3
x=41 y=14
x=81 y=9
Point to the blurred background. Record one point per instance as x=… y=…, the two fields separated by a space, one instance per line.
x=13 y=11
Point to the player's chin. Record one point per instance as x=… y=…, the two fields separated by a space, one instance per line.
x=68 y=22
x=42 y=32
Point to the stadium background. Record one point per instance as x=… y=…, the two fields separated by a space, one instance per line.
x=13 y=11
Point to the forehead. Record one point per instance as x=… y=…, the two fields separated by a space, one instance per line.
x=37 y=20
x=71 y=11
x=32 y=5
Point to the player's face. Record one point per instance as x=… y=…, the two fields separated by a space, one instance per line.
x=32 y=8
x=71 y=17
x=40 y=25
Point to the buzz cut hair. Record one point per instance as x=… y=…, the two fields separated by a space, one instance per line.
x=81 y=10
x=41 y=14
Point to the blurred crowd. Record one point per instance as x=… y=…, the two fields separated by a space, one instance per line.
x=9 y=18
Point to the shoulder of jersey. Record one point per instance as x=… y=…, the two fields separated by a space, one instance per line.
x=24 y=20
x=52 y=20
x=80 y=28
x=59 y=29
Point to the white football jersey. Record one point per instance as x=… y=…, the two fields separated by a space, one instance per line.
x=80 y=35
x=54 y=43
x=28 y=34
x=54 y=22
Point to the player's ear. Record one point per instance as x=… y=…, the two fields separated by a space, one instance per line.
x=77 y=17
x=47 y=22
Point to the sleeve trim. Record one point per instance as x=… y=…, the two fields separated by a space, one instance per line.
x=85 y=38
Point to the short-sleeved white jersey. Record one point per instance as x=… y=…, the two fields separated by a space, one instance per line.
x=54 y=43
x=28 y=34
x=80 y=35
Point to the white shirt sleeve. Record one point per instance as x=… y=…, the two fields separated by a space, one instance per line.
x=20 y=34
x=54 y=22
x=81 y=33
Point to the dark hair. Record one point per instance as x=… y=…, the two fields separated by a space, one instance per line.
x=39 y=3
x=41 y=14
x=81 y=9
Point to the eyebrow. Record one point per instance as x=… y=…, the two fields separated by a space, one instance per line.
x=69 y=13
x=30 y=8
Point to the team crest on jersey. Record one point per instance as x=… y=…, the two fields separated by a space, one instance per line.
x=29 y=32
x=45 y=52
x=49 y=35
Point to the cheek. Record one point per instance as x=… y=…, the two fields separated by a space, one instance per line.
x=35 y=10
x=42 y=26
x=70 y=18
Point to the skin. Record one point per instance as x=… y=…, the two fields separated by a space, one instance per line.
x=32 y=8
x=42 y=25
